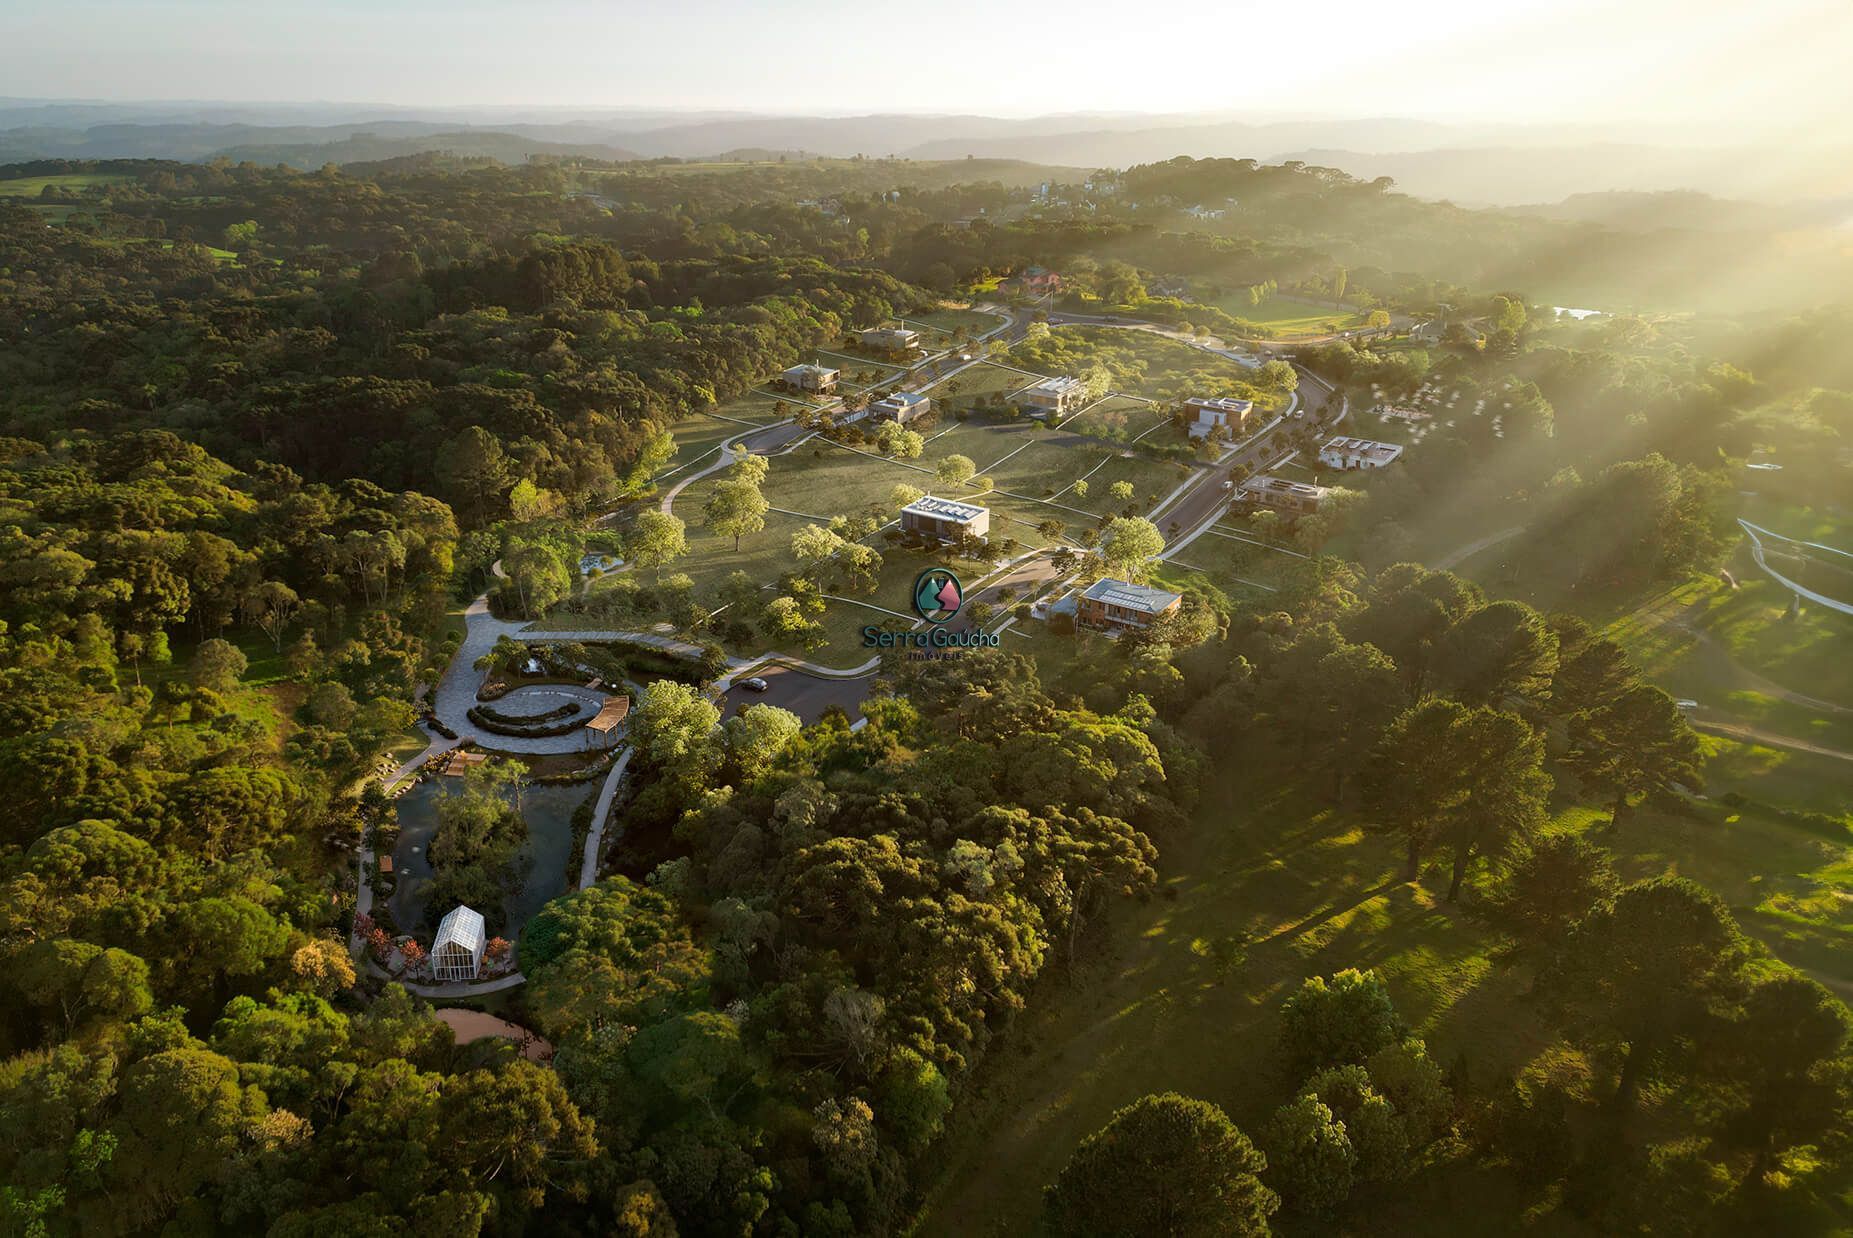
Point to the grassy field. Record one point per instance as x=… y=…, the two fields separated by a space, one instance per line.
x=1291 y=318
x=1234 y=566
x=943 y=322
x=1269 y=886
x=76 y=182
x=1265 y=889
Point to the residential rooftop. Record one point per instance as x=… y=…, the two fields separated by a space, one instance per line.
x=944 y=509
x=1142 y=598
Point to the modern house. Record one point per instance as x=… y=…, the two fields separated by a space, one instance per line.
x=902 y=406
x=890 y=339
x=1118 y=605
x=1207 y=416
x=1358 y=453
x=1052 y=397
x=457 y=953
x=820 y=379
x=1294 y=498
x=946 y=519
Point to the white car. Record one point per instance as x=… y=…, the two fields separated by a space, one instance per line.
x=1687 y=705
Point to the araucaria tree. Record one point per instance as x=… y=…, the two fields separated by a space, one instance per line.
x=1636 y=744
x=1165 y=1164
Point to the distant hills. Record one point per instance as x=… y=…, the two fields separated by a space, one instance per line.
x=1470 y=163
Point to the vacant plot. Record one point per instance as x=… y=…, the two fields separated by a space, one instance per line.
x=983 y=383
x=829 y=480
x=1119 y=418
x=859 y=373
x=1289 y=318
x=945 y=322
x=981 y=439
x=1238 y=568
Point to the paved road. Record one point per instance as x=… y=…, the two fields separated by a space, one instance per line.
x=805 y=695
x=1206 y=501
x=1757 y=735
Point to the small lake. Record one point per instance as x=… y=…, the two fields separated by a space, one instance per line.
x=548 y=810
x=1564 y=311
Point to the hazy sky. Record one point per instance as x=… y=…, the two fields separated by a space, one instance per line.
x=1776 y=64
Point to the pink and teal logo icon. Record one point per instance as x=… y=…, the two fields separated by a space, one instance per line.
x=937 y=595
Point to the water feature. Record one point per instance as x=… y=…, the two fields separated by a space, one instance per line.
x=548 y=810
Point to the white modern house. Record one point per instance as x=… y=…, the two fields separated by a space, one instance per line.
x=1055 y=397
x=1295 y=498
x=945 y=519
x=1209 y=415
x=890 y=339
x=818 y=378
x=902 y=406
x=1358 y=453
x=457 y=952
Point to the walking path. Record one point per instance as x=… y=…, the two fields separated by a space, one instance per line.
x=588 y=867
x=1461 y=554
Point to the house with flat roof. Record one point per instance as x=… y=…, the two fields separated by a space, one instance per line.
x=1119 y=605
x=1210 y=415
x=902 y=406
x=1358 y=453
x=890 y=339
x=1293 y=498
x=1052 y=397
x=946 y=519
x=817 y=378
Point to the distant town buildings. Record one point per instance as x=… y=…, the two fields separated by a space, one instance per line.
x=1294 y=498
x=1358 y=453
x=890 y=339
x=948 y=520
x=820 y=379
x=1118 y=605
x=902 y=406
x=1208 y=416
x=457 y=952
x=1205 y=212
x=1055 y=397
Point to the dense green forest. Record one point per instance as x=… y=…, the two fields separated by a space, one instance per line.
x=264 y=432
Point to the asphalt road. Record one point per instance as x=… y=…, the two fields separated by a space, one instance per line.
x=805 y=695
x=1206 y=500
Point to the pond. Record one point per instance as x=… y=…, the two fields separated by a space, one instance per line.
x=548 y=810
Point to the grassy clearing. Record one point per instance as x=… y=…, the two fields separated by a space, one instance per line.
x=1270 y=885
x=1265 y=889
x=1290 y=318
x=983 y=383
x=946 y=321
x=75 y=182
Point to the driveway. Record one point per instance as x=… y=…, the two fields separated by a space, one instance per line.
x=805 y=695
